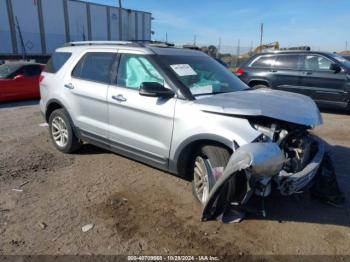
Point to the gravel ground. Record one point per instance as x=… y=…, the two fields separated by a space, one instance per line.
x=136 y=209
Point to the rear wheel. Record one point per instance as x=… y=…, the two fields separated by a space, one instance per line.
x=61 y=132
x=209 y=165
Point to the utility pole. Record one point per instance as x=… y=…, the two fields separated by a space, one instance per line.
x=261 y=36
x=219 y=47
x=194 y=40
x=120 y=20
x=166 y=37
x=238 y=50
x=346 y=45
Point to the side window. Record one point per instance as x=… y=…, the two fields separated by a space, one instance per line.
x=31 y=70
x=287 y=62
x=57 y=60
x=264 y=62
x=94 y=67
x=136 y=69
x=316 y=63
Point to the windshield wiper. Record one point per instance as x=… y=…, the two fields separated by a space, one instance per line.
x=215 y=93
x=212 y=93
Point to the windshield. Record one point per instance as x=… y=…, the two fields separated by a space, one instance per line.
x=7 y=69
x=342 y=60
x=203 y=75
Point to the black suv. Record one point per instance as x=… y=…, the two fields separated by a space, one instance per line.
x=323 y=76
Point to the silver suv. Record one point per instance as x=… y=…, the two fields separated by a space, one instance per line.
x=181 y=111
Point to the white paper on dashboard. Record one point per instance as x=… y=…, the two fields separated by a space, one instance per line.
x=208 y=89
x=183 y=70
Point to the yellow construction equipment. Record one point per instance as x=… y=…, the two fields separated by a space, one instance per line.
x=273 y=45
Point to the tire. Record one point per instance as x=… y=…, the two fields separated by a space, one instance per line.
x=208 y=157
x=61 y=132
x=260 y=86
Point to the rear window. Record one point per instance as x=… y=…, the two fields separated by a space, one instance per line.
x=57 y=60
x=287 y=62
x=95 y=67
x=264 y=62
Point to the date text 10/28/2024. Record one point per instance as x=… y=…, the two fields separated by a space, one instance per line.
x=173 y=258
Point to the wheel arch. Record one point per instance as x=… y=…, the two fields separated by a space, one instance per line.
x=54 y=104
x=184 y=155
x=254 y=82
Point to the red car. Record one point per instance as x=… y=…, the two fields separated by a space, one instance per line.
x=19 y=81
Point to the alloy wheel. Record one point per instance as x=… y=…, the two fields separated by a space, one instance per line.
x=59 y=131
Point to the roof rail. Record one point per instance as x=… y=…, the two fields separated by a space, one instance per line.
x=288 y=51
x=99 y=43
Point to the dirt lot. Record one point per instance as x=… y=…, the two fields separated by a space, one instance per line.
x=136 y=209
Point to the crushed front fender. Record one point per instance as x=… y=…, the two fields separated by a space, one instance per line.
x=259 y=159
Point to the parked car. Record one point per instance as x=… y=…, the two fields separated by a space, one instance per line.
x=181 y=111
x=325 y=77
x=19 y=80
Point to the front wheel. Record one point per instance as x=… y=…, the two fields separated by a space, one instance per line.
x=61 y=132
x=209 y=165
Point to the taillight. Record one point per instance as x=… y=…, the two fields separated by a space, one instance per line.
x=239 y=71
x=41 y=78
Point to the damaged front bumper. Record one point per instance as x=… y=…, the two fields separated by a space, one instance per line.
x=290 y=183
x=257 y=164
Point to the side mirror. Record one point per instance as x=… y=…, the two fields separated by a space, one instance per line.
x=335 y=67
x=18 y=77
x=155 y=89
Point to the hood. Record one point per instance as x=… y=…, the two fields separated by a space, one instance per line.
x=285 y=106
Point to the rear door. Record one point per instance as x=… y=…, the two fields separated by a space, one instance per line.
x=286 y=73
x=260 y=69
x=86 y=92
x=140 y=126
x=323 y=84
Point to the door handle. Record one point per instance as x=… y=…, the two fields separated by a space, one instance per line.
x=307 y=73
x=69 y=86
x=119 y=98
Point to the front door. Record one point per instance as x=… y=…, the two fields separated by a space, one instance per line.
x=140 y=126
x=323 y=84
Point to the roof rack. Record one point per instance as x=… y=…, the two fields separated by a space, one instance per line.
x=154 y=43
x=141 y=43
x=99 y=43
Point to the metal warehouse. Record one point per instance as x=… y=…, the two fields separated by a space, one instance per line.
x=37 y=27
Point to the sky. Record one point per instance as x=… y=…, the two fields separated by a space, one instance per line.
x=321 y=24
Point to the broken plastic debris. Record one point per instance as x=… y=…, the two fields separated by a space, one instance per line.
x=44 y=125
x=87 y=227
x=17 y=190
x=326 y=186
x=42 y=225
